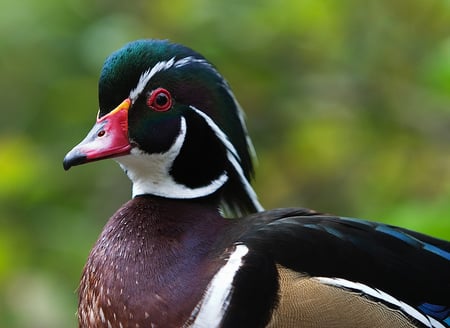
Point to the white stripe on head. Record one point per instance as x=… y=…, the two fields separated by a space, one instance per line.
x=150 y=173
x=128 y=162
x=232 y=156
x=384 y=297
x=189 y=60
x=241 y=115
x=162 y=66
x=147 y=75
x=165 y=65
x=211 y=309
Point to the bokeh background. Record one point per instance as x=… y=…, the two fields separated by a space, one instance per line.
x=348 y=104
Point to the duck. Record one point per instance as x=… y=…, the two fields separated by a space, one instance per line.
x=193 y=247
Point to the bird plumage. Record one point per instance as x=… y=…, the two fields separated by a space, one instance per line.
x=169 y=257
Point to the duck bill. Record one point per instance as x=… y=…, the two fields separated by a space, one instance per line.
x=108 y=138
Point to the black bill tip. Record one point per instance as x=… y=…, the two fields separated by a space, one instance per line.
x=74 y=158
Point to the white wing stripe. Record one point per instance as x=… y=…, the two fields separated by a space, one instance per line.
x=382 y=296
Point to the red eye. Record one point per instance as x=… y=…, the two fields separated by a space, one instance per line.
x=160 y=100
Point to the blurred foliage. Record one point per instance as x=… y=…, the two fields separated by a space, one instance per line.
x=348 y=104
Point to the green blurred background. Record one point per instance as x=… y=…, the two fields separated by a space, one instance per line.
x=348 y=104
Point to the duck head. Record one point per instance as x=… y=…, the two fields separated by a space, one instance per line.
x=173 y=124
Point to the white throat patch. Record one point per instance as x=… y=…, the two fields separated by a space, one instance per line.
x=150 y=173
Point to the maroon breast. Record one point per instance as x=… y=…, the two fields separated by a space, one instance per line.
x=151 y=264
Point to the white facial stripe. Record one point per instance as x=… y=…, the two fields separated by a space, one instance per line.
x=162 y=162
x=241 y=116
x=219 y=133
x=165 y=65
x=150 y=173
x=232 y=156
x=189 y=60
x=147 y=75
x=211 y=309
x=382 y=296
x=245 y=182
x=159 y=67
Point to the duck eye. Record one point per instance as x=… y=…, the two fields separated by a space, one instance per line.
x=160 y=100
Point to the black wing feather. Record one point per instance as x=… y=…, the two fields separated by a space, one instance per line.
x=410 y=266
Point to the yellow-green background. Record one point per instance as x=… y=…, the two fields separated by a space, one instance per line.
x=348 y=104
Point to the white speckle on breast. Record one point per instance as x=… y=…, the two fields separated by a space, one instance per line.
x=102 y=315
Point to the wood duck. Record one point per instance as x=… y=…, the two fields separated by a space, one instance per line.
x=170 y=257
